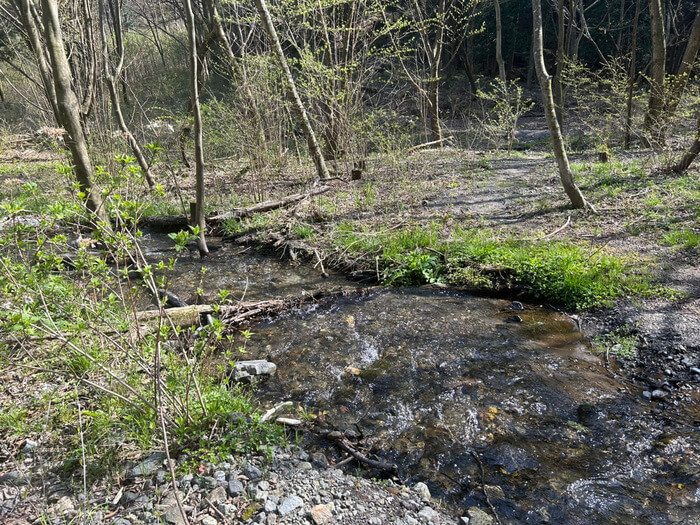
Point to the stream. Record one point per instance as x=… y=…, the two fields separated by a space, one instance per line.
x=466 y=398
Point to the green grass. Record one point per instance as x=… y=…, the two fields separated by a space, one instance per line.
x=681 y=238
x=576 y=275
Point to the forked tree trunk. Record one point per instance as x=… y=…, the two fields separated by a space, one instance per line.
x=69 y=110
x=652 y=121
x=199 y=219
x=314 y=147
x=29 y=16
x=567 y=179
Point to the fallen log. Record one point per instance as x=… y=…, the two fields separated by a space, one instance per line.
x=267 y=205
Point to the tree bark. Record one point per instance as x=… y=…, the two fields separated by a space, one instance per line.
x=314 y=148
x=69 y=110
x=200 y=220
x=690 y=155
x=567 y=179
x=652 y=120
x=557 y=84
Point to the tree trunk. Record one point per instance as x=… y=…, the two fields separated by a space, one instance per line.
x=561 y=53
x=567 y=179
x=685 y=67
x=69 y=110
x=112 y=78
x=314 y=147
x=499 y=39
x=197 y=115
x=632 y=76
x=652 y=121
x=690 y=155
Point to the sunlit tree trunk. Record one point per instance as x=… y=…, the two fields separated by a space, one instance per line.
x=314 y=148
x=567 y=179
x=69 y=110
x=499 y=39
x=199 y=219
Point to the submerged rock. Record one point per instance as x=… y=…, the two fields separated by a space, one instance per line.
x=511 y=459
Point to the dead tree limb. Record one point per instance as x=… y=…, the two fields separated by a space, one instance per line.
x=268 y=205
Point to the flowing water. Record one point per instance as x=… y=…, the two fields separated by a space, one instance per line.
x=444 y=384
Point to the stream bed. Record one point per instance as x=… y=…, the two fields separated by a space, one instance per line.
x=446 y=384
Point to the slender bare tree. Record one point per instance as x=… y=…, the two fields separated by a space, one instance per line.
x=314 y=147
x=545 y=80
x=199 y=218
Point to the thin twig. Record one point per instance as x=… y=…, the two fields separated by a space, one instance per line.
x=483 y=484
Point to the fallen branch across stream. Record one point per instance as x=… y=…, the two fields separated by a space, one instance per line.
x=230 y=315
x=267 y=205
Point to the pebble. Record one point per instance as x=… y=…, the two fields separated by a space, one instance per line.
x=252 y=472
x=235 y=487
x=290 y=504
x=479 y=517
x=209 y=520
x=422 y=490
x=659 y=394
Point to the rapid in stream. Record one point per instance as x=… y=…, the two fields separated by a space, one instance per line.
x=446 y=384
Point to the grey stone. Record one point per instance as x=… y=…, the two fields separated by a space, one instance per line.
x=29 y=446
x=464 y=520
x=659 y=394
x=422 y=490
x=270 y=506
x=173 y=515
x=218 y=495
x=516 y=305
x=121 y=521
x=428 y=514
x=290 y=504
x=304 y=465
x=258 y=367
x=252 y=472
x=235 y=488
x=209 y=520
x=695 y=370
x=148 y=466
x=479 y=517
x=160 y=477
x=319 y=460
x=14 y=477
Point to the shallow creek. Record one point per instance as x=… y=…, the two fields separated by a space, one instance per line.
x=433 y=379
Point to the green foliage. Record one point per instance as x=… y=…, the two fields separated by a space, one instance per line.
x=621 y=343
x=413 y=268
x=503 y=105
